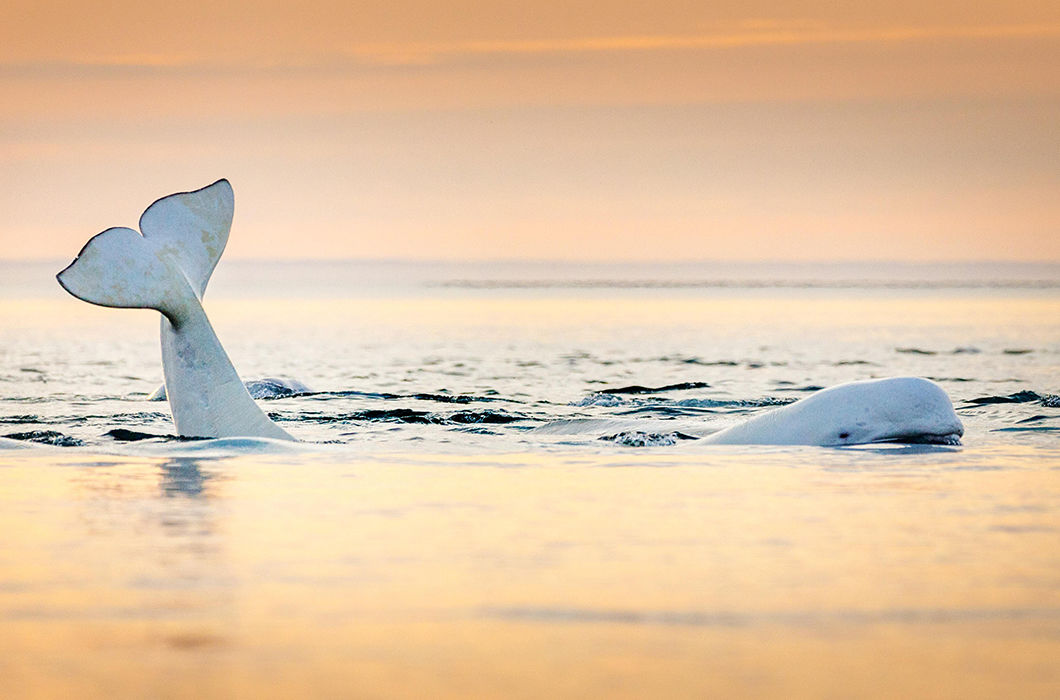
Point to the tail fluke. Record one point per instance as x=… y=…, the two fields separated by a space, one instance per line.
x=192 y=227
x=120 y=268
x=183 y=238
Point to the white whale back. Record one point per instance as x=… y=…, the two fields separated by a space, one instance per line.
x=167 y=268
x=875 y=410
x=9 y=444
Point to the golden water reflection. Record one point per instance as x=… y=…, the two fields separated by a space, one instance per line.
x=764 y=574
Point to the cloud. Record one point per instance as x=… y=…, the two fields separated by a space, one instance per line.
x=383 y=54
x=766 y=34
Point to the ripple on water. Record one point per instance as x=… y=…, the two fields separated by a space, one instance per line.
x=46 y=437
x=637 y=438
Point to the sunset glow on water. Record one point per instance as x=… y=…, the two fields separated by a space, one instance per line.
x=763 y=574
x=394 y=556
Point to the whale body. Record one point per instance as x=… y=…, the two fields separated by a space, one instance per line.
x=896 y=409
x=166 y=266
x=264 y=388
x=9 y=444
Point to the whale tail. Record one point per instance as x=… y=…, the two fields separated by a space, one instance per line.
x=183 y=237
x=167 y=267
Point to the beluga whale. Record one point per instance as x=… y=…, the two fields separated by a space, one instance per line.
x=895 y=409
x=166 y=266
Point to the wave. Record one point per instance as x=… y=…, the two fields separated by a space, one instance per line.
x=1024 y=396
x=405 y=415
x=611 y=401
x=698 y=407
x=701 y=363
x=963 y=350
x=665 y=410
x=637 y=438
x=23 y=418
x=30 y=419
x=1036 y=419
x=495 y=417
x=1029 y=429
x=46 y=437
x=604 y=400
x=736 y=403
x=687 y=360
x=638 y=389
x=126 y=435
x=386 y=396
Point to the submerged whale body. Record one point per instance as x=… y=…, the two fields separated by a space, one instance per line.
x=265 y=388
x=166 y=266
x=9 y=444
x=897 y=409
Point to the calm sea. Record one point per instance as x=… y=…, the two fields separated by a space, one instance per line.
x=456 y=521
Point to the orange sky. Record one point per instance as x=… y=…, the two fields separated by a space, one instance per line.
x=730 y=130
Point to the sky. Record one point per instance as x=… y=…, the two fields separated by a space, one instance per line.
x=575 y=130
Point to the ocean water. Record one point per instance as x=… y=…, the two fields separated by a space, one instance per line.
x=460 y=519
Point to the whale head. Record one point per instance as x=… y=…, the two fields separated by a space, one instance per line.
x=897 y=409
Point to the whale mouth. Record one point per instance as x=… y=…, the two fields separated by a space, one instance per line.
x=925 y=439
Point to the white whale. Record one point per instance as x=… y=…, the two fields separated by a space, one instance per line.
x=897 y=409
x=9 y=444
x=167 y=268
x=264 y=388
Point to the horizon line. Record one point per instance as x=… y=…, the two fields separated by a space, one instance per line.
x=588 y=261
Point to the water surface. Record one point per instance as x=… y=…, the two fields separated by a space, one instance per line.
x=455 y=526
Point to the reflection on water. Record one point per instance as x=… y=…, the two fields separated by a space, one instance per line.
x=183 y=476
x=759 y=573
x=797 y=618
